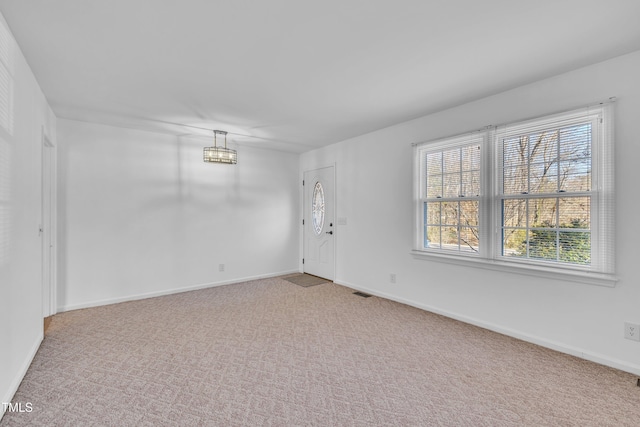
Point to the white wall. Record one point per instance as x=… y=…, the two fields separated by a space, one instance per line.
x=141 y=214
x=375 y=195
x=24 y=117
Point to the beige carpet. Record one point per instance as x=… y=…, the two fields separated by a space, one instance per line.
x=270 y=353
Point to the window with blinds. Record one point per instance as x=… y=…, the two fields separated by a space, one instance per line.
x=452 y=196
x=546 y=194
x=532 y=195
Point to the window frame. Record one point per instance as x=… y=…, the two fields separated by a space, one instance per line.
x=601 y=270
x=446 y=144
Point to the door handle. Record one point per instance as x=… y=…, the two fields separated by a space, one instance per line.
x=329 y=232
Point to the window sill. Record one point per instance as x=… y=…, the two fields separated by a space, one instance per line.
x=586 y=277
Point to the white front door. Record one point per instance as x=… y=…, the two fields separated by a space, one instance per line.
x=319 y=222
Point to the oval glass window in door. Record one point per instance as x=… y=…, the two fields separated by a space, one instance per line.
x=317 y=208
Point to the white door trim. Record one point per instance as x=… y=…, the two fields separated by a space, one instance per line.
x=48 y=226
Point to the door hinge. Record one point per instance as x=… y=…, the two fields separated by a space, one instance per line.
x=303 y=182
x=303 y=222
x=303 y=260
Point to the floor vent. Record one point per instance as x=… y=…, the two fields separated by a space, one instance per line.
x=361 y=294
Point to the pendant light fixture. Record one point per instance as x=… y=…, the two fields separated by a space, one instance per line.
x=217 y=154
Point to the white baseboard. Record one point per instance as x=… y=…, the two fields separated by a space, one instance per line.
x=20 y=374
x=563 y=348
x=117 y=300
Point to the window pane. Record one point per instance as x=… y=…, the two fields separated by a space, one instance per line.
x=515 y=150
x=514 y=213
x=317 y=208
x=515 y=179
x=433 y=213
x=471 y=184
x=575 y=212
x=543 y=147
x=575 y=142
x=543 y=212
x=514 y=242
x=434 y=186
x=544 y=177
x=469 y=213
x=575 y=175
x=433 y=237
x=469 y=239
x=450 y=238
x=575 y=247
x=543 y=244
x=451 y=160
x=451 y=185
x=450 y=213
x=434 y=163
x=575 y=158
x=471 y=158
x=434 y=174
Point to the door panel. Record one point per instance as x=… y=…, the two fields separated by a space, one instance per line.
x=319 y=222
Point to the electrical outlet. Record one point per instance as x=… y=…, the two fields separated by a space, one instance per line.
x=392 y=277
x=221 y=267
x=631 y=331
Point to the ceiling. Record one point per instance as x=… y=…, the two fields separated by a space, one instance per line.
x=294 y=75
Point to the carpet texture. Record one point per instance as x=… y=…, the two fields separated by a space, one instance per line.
x=305 y=280
x=270 y=353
